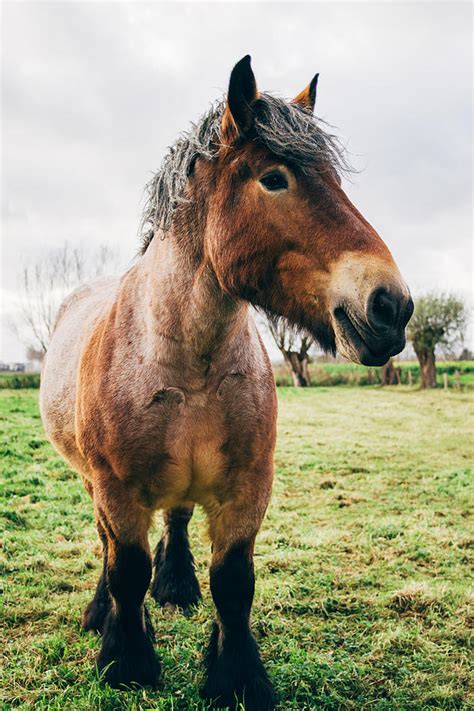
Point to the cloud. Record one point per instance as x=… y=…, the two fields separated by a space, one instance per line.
x=93 y=93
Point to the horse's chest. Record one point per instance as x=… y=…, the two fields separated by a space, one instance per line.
x=194 y=443
x=198 y=440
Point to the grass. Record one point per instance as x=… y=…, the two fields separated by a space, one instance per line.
x=460 y=373
x=16 y=381
x=362 y=564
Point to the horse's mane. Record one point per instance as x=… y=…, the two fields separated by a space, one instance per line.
x=289 y=132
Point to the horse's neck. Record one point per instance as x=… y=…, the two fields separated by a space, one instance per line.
x=185 y=305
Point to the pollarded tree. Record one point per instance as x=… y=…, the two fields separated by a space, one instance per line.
x=438 y=322
x=295 y=347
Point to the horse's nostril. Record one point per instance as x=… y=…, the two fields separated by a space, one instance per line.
x=383 y=309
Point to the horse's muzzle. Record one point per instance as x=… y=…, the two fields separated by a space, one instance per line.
x=381 y=333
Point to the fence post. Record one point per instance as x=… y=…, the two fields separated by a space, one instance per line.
x=445 y=381
x=457 y=379
x=410 y=378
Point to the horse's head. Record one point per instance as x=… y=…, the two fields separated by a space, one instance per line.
x=282 y=234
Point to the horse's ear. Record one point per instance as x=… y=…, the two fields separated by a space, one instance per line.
x=242 y=93
x=307 y=98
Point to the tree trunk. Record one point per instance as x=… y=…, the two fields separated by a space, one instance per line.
x=427 y=368
x=388 y=373
x=299 y=369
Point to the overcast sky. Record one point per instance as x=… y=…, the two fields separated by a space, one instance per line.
x=94 y=92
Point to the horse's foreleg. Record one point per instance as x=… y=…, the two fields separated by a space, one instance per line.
x=127 y=654
x=175 y=581
x=234 y=671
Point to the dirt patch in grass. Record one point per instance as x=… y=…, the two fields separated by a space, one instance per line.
x=415 y=597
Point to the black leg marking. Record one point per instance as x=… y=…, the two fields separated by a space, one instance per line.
x=127 y=655
x=175 y=581
x=95 y=613
x=234 y=671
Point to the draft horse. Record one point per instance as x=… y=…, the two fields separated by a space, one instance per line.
x=157 y=388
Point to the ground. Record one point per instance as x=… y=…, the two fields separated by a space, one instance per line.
x=362 y=563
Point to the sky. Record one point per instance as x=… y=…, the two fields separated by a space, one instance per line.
x=92 y=93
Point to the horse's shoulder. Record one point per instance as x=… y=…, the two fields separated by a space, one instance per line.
x=95 y=291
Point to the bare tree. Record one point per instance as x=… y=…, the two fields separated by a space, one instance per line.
x=295 y=347
x=46 y=283
x=34 y=355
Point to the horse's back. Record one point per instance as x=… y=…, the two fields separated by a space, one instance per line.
x=77 y=316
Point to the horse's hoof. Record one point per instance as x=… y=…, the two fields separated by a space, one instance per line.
x=119 y=675
x=256 y=695
x=128 y=657
x=131 y=668
x=173 y=588
x=237 y=676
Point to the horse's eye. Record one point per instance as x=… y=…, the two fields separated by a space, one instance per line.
x=275 y=180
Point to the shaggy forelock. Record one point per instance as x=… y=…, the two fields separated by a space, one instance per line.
x=297 y=136
x=291 y=133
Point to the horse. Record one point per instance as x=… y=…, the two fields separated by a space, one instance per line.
x=157 y=387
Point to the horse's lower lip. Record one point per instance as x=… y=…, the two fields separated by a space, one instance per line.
x=352 y=333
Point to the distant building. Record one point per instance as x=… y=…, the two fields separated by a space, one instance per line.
x=12 y=367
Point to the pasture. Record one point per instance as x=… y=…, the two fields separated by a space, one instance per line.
x=460 y=375
x=363 y=562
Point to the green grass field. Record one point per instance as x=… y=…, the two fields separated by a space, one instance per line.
x=363 y=563
x=460 y=375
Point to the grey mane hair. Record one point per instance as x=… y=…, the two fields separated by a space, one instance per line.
x=165 y=191
x=291 y=133
x=296 y=135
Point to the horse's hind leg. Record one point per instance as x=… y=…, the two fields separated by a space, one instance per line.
x=234 y=671
x=96 y=611
x=127 y=654
x=98 y=608
x=175 y=581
